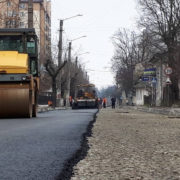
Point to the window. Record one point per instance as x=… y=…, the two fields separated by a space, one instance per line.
x=13 y=23
x=21 y=14
x=8 y=3
x=10 y=13
x=8 y=23
x=33 y=67
x=21 y=24
x=22 y=5
x=31 y=47
x=11 y=43
x=14 y=13
x=47 y=28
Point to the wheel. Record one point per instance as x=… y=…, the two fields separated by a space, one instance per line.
x=74 y=106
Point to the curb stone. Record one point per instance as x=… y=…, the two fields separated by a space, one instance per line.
x=164 y=111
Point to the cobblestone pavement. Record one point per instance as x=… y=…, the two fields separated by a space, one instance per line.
x=132 y=146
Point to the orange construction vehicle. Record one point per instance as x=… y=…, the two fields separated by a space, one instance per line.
x=85 y=97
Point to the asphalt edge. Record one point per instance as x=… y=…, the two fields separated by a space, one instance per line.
x=80 y=154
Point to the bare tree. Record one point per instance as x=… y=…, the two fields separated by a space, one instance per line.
x=130 y=49
x=53 y=71
x=161 y=18
x=78 y=76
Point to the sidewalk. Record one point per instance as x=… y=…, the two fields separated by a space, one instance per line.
x=128 y=144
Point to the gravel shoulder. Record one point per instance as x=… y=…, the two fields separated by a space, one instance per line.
x=131 y=145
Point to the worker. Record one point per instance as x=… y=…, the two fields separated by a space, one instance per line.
x=104 y=102
x=49 y=103
x=70 y=100
x=113 y=102
x=97 y=103
x=100 y=103
x=64 y=102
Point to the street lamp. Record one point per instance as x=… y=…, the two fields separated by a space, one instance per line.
x=70 y=46
x=68 y=82
x=78 y=38
x=72 y=17
x=60 y=45
x=60 y=37
x=83 y=53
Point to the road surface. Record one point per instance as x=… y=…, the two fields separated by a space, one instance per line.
x=37 y=148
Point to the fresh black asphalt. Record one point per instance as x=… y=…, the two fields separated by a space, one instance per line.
x=37 y=148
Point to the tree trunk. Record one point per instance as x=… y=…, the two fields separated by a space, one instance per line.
x=172 y=63
x=54 y=91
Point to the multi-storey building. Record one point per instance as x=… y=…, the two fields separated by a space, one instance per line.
x=14 y=14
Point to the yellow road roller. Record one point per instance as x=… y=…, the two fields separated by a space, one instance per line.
x=19 y=77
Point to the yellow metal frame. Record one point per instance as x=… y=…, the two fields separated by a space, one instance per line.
x=12 y=62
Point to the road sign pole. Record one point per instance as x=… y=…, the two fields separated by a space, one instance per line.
x=168 y=95
x=168 y=72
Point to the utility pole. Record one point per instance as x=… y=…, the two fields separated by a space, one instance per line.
x=60 y=43
x=68 y=81
x=30 y=13
x=60 y=52
x=76 y=61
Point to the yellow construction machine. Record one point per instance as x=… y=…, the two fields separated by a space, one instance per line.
x=85 y=97
x=19 y=78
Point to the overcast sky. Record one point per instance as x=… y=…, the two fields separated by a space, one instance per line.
x=100 y=20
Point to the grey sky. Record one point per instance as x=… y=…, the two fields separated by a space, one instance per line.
x=100 y=20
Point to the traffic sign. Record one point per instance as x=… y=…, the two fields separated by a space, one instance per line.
x=154 y=80
x=168 y=80
x=144 y=78
x=168 y=71
x=150 y=72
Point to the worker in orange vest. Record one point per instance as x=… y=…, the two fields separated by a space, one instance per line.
x=49 y=103
x=70 y=100
x=104 y=102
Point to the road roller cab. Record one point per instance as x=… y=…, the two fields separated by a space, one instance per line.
x=19 y=81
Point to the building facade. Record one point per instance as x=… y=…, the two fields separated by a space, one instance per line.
x=14 y=14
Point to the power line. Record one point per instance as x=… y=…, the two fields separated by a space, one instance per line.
x=98 y=70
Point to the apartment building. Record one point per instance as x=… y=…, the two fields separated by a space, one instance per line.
x=14 y=14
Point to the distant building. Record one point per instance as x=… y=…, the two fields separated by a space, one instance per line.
x=151 y=86
x=14 y=14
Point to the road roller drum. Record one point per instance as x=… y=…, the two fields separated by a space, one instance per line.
x=15 y=100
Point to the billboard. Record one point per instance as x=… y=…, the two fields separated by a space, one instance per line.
x=34 y=1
